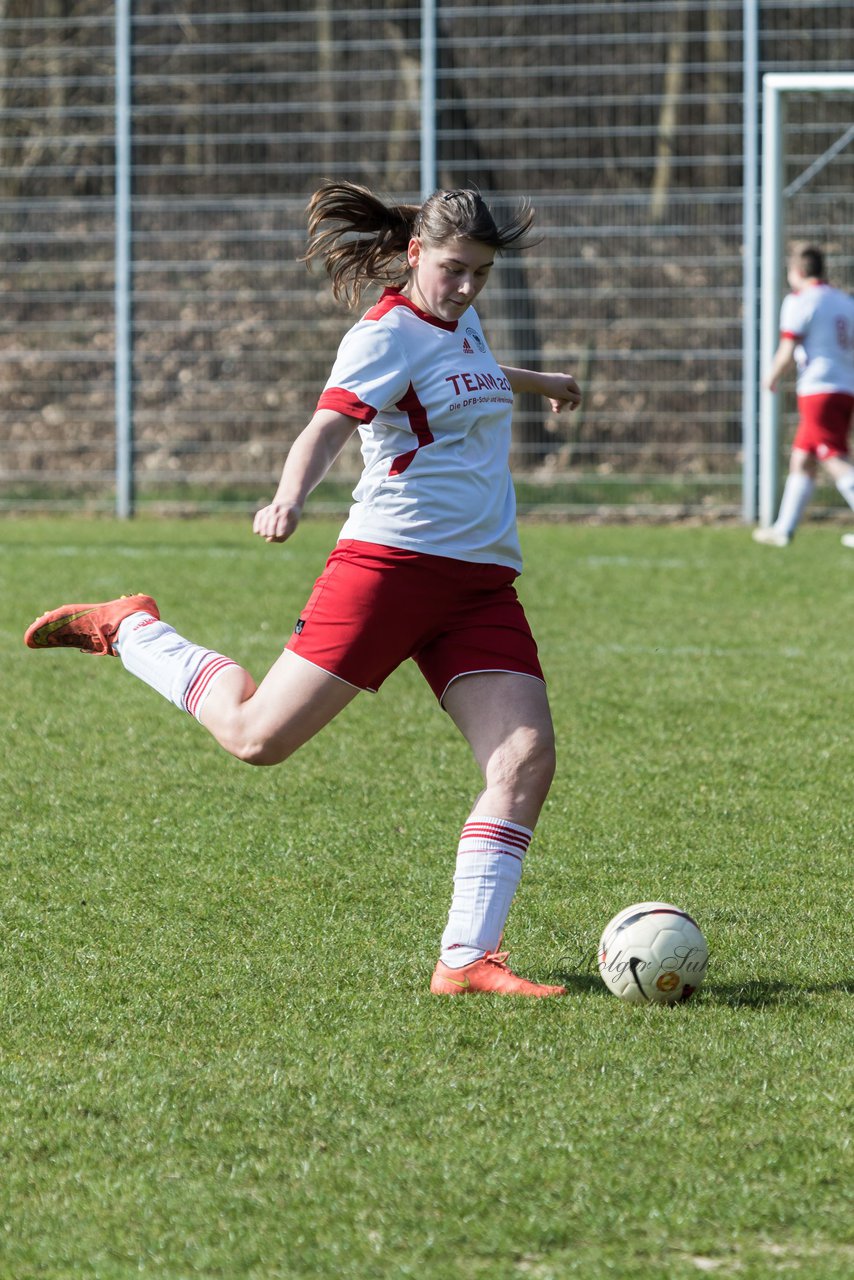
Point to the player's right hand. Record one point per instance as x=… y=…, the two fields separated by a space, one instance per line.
x=276 y=522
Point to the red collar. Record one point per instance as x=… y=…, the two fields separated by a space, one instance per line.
x=392 y=297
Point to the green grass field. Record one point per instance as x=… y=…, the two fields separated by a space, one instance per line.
x=220 y=1058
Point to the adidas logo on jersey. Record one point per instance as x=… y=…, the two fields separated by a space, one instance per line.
x=467 y=348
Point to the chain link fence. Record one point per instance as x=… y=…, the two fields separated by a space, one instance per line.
x=622 y=122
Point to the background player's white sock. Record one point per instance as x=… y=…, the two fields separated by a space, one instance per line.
x=180 y=671
x=797 y=492
x=845 y=485
x=489 y=868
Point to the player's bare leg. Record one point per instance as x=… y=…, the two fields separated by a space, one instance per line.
x=265 y=725
x=507 y=722
x=261 y=725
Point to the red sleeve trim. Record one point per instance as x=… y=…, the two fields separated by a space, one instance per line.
x=796 y=337
x=342 y=401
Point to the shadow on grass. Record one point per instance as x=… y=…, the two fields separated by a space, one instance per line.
x=758 y=994
x=581 y=983
x=764 y=992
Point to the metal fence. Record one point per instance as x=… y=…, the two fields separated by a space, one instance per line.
x=629 y=125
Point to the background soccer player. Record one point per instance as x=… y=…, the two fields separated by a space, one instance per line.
x=816 y=334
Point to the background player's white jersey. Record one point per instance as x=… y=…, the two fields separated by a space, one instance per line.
x=821 y=320
x=434 y=412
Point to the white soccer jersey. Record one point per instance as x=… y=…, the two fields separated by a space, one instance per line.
x=821 y=320
x=434 y=412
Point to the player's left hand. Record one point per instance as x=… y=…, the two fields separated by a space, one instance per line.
x=562 y=391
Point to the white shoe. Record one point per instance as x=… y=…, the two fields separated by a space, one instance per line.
x=773 y=537
x=848 y=540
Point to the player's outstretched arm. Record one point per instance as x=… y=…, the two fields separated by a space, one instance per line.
x=309 y=458
x=560 y=389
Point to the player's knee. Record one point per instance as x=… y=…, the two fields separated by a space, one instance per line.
x=255 y=753
x=802 y=464
x=527 y=762
x=543 y=759
x=246 y=744
x=259 y=752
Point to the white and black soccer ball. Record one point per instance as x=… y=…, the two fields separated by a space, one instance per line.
x=653 y=953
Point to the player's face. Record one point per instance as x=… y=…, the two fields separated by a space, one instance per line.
x=446 y=279
x=794 y=277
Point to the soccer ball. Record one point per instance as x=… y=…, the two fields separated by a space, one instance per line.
x=653 y=953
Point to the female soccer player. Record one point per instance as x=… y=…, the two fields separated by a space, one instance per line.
x=425 y=564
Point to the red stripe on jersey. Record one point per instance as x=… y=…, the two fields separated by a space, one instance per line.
x=342 y=401
x=795 y=337
x=417 y=414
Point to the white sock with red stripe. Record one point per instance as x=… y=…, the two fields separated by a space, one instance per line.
x=180 y=671
x=489 y=868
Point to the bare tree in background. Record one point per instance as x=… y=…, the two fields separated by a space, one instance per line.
x=716 y=53
x=674 y=78
x=325 y=80
x=406 y=104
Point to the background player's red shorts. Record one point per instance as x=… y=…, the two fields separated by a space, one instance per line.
x=825 y=421
x=375 y=606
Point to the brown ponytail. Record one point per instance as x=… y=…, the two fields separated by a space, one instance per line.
x=366 y=240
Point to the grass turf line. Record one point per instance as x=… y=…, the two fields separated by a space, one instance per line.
x=219 y=1057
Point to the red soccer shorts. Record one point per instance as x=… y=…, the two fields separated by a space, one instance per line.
x=375 y=606
x=825 y=421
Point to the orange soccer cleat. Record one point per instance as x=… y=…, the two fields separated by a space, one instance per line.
x=89 y=627
x=490 y=974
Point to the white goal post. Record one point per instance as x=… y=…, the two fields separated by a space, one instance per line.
x=775 y=87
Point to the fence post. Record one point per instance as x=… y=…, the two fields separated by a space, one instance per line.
x=428 y=98
x=124 y=341
x=750 y=261
x=773 y=239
